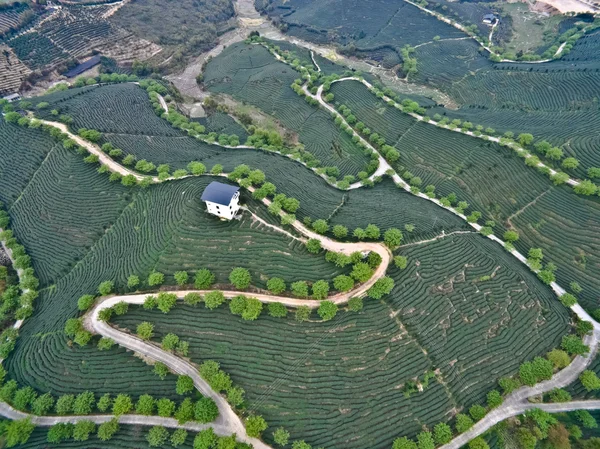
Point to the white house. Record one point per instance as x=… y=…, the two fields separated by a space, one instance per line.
x=490 y=19
x=222 y=200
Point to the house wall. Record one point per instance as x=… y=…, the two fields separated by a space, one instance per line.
x=222 y=211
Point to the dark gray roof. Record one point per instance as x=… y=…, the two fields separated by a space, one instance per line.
x=95 y=60
x=489 y=16
x=219 y=193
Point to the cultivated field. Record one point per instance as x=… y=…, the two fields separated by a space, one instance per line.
x=252 y=75
x=442 y=317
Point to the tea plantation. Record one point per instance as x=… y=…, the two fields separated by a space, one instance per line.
x=415 y=318
x=347 y=380
x=250 y=74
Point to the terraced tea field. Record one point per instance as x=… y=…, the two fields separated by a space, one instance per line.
x=104 y=232
x=492 y=180
x=113 y=108
x=22 y=151
x=342 y=381
x=250 y=74
x=126 y=438
x=368 y=25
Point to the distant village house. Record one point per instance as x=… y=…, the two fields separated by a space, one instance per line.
x=490 y=19
x=222 y=200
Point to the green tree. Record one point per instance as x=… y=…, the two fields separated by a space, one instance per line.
x=145 y=405
x=277 y=310
x=84 y=403
x=170 y=342
x=237 y=305
x=165 y=407
x=525 y=139
x=494 y=399
x=302 y=313
x=590 y=380
x=574 y=345
x=240 y=278
x=392 y=237
x=255 y=425
x=568 y=299
x=166 y=301
x=104 y=403
x=340 y=231
x=320 y=289
x=18 y=432
x=372 y=232
x=59 y=432
x=42 y=404
x=203 y=279
x=511 y=236
x=343 y=283
x=361 y=271
x=161 y=370
x=133 y=281
x=400 y=262
x=320 y=226
x=404 y=443
x=425 y=440
x=64 y=404
x=205 y=439
x=253 y=309
x=107 y=430
x=85 y=302
x=214 y=299
x=185 y=412
x=586 y=419
x=355 y=304
x=205 y=410
x=145 y=330
x=157 y=436
x=181 y=277
x=276 y=285
x=300 y=288
x=83 y=429
x=122 y=404
x=281 y=436
x=155 y=278
x=442 y=433
x=313 y=245
x=559 y=395
x=178 y=437
x=478 y=443
x=105 y=288
x=477 y=412
x=192 y=299
x=327 y=310
x=381 y=287
x=185 y=384
x=463 y=423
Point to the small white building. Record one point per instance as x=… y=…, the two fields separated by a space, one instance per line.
x=12 y=97
x=222 y=200
x=490 y=19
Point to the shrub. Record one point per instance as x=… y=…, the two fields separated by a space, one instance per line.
x=313 y=245
x=320 y=226
x=277 y=310
x=105 y=288
x=327 y=310
x=214 y=299
x=155 y=278
x=355 y=304
x=276 y=285
x=320 y=289
x=255 y=425
x=240 y=278
x=203 y=279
